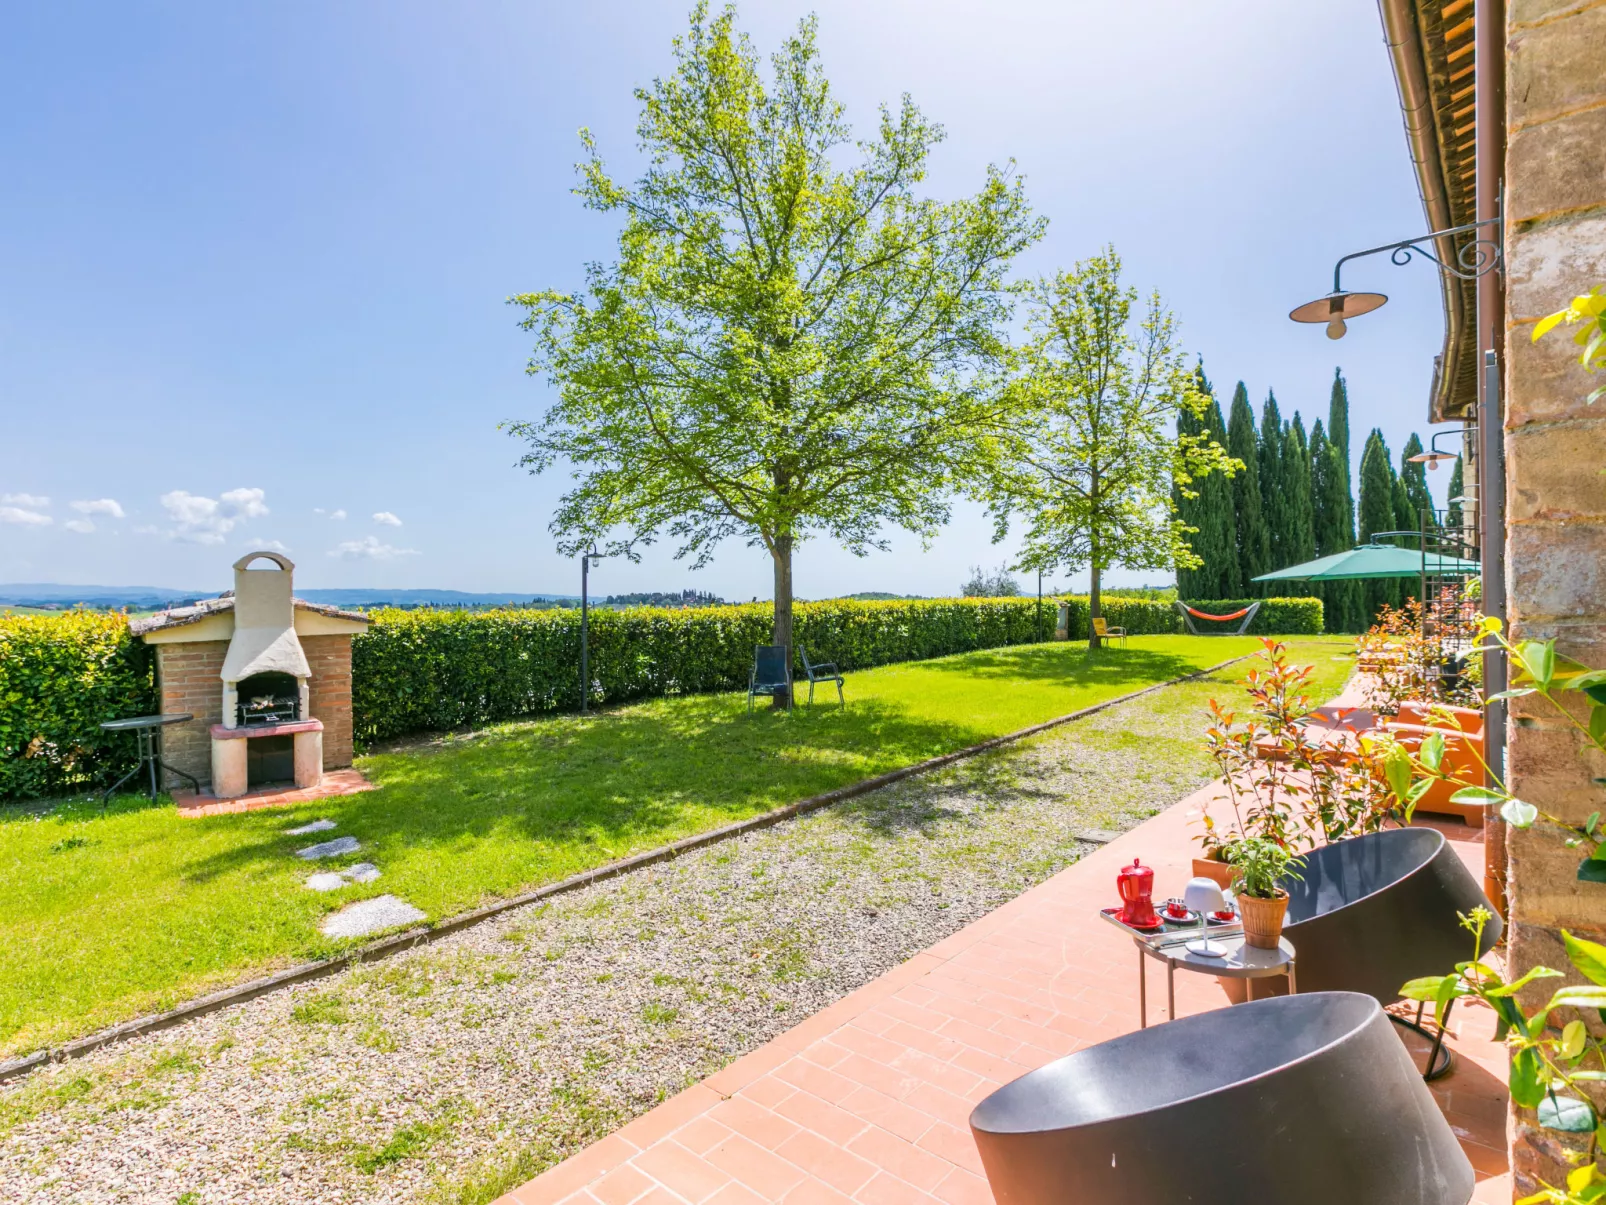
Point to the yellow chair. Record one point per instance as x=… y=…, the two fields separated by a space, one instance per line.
x=1105 y=632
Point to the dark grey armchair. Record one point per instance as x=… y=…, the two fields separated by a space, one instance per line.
x=772 y=673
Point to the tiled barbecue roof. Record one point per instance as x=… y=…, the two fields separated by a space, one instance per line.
x=178 y=617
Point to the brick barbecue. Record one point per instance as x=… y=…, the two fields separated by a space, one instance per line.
x=267 y=677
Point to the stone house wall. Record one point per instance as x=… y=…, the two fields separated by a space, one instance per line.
x=1555 y=450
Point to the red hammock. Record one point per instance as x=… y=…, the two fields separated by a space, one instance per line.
x=1217 y=618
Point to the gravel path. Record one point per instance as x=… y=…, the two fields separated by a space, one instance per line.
x=452 y=1073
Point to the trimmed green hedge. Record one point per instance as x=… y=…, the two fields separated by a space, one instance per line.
x=417 y=671
x=61 y=676
x=422 y=670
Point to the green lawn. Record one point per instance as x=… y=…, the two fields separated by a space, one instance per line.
x=104 y=918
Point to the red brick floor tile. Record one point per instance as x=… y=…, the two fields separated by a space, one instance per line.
x=767 y=1128
x=901 y=1158
x=890 y=1114
x=831 y=1122
x=701 y=1134
x=889 y=1190
x=964 y=1188
x=813 y=1192
x=768 y=1091
x=621 y=1186
x=765 y=1172
x=883 y=1077
x=692 y=1176
x=737 y=1194
x=827 y=1085
x=826 y=1161
x=952 y=1144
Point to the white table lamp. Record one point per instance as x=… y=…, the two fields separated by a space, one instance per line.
x=1204 y=896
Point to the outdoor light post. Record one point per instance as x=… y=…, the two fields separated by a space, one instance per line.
x=586 y=559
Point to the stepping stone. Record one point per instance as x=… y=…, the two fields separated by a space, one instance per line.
x=329 y=849
x=363 y=872
x=317 y=826
x=370 y=916
x=326 y=882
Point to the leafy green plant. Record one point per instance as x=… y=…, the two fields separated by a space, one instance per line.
x=1550 y=1057
x=1259 y=865
x=1590 y=309
x=1285 y=784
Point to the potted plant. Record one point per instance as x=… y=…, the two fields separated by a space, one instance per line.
x=1215 y=864
x=1259 y=866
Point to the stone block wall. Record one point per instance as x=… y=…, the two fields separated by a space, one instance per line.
x=1555 y=447
x=329 y=658
x=188 y=678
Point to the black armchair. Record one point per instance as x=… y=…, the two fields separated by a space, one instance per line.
x=772 y=674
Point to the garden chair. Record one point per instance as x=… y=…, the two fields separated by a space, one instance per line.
x=822 y=671
x=1105 y=632
x=772 y=673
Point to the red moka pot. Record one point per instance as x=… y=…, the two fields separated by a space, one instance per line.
x=1136 y=884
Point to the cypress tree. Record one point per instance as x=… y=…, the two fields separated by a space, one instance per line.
x=1376 y=514
x=1297 y=485
x=1217 y=541
x=1338 y=436
x=1453 y=515
x=1254 y=552
x=1189 y=510
x=1341 y=601
x=1415 y=479
x=1273 y=489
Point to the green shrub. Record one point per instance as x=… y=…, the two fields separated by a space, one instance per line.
x=427 y=670
x=61 y=676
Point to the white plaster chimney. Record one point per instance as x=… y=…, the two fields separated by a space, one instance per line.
x=264 y=639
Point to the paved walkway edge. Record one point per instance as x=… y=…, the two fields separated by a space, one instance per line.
x=401 y=942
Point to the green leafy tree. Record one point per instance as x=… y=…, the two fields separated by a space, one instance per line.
x=1377 y=514
x=1092 y=457
x=1251 y=536
x=790 y=341
x=1454 y=516
x=1273 y=485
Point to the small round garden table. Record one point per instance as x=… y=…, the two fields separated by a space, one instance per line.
x=146 y=729
x=1237 y=961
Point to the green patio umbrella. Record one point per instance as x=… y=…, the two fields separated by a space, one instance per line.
x=1372 y=560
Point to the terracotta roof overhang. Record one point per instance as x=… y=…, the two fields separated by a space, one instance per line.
x=1431 y=46
x=179 y=617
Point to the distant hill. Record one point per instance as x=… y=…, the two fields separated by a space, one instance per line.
x=47 y=594
x=880 y=596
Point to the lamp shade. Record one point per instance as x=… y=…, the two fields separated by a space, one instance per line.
x=1307 y=1098
x=1204 y=895
x=1337 y=308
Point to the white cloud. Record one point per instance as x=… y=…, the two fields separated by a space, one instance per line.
x=385 y=517
x=202 y=520
x=23 y=518
x=99 y=506
x=82 y=526
x=35 y=501
x=329 y=514
x=262 y=545
x=369 y=549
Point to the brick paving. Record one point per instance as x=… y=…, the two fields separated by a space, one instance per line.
x=868 y=1100
x=335 y=782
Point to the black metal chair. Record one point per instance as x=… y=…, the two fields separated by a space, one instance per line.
x=1307 y=1098
x=1374 y=911
x=823 y=671
x=772 y=673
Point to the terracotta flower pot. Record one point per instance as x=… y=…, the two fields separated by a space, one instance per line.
x=1263 y=920
x=1213 y=868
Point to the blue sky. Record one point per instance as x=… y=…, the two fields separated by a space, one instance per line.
x=254 y=257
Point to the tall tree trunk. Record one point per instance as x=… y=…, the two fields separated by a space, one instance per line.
x=1095 y=610
x=782 y=632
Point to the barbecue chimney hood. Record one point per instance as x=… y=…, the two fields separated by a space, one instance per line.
x=264 y=638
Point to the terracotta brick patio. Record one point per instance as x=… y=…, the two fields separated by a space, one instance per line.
x=867 y=1100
